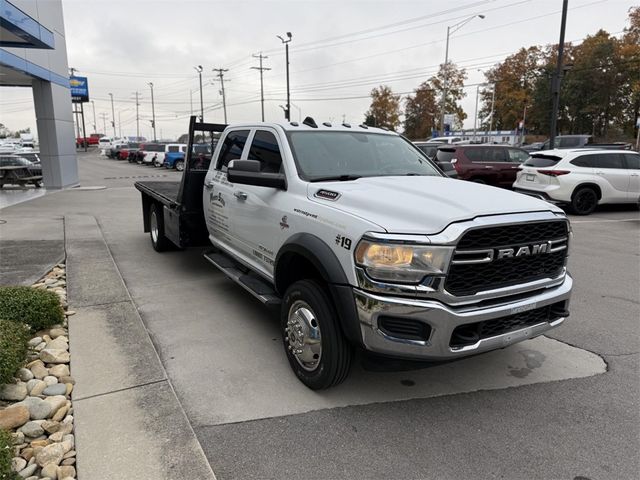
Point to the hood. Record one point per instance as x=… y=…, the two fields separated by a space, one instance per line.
x=422 y=204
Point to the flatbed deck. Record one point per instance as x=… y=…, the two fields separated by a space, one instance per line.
x=165 y=192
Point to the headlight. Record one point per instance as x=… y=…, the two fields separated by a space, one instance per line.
x=402 y=263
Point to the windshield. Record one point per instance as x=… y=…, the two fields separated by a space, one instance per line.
x=350 y=155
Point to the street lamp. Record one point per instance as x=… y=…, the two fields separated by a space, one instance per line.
x=287 y=112
x=450 y=29
x=199 y=70
x=113 y=116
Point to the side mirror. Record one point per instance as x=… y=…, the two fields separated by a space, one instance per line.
x=247 y=172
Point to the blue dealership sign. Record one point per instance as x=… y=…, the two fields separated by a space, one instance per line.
x=79 y=89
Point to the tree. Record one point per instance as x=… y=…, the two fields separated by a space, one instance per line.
x=385 y=108
x=455 y=92
x=630 y=56
x=421 y=112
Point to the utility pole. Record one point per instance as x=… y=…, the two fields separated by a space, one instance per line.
x=261 y=68
x=113 y=116
x=190 y=101
x=119 y=123
x=199 y=70
x=153 y=114
x=95 y=128
x=557 y=75
x=287 y=112
x=493 y=104
x=137 y=115
x=221 y=77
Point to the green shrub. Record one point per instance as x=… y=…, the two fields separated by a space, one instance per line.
x=37 y=308
x=6 y=453
x=13 y=348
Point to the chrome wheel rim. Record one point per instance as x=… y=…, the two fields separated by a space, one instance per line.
x=154 y=227
x=179 y=166
x=302 y=335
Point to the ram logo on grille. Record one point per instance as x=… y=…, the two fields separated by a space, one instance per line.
x=526 y=250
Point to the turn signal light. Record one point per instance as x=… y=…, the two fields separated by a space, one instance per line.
x=554 y=173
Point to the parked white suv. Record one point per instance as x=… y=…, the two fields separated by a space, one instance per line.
x=581 y=178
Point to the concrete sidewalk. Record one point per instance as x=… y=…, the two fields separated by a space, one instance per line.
x=129 y=423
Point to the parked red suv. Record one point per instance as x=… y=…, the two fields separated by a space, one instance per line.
x=491 y=164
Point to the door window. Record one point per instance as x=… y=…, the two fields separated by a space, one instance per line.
x=497 y=155
x=569 y=142
x=517 y=156
x=633 y=161
x=173 y=148
x=607 y=160
x=264 y=148
x=232 y=148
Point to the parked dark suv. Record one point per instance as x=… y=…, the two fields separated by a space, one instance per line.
x=430 y=149
x=491 y=164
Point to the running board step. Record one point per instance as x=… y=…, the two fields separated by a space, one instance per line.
x=255 y=285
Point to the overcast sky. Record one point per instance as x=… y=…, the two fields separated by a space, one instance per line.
x=340 y=50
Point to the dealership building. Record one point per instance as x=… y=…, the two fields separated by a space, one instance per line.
x=33 y=54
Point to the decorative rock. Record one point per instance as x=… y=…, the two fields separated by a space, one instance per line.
x=67 y=445
x=59 y=343
x=32 y=429
x=51 y=426
x=57 y=332
x=59 y=371
x=56 y=402
x=28 y=471
x=50 y=380
x=24 y=374
x=34 y=341
x=17 y=438
x=40 y=347
x=67 y=379
x=65 y=472
x=37 y=388
x=13 y=392
x=59 y=415
x=50 y=454
x=56 y=437
x=54 y=355
x=68 y=313
x=39 y=443
x=55 y=389
x=50 y=470
x=18 y=464
x=13 y=417
x=27 y=453
x=38 y=408
x=69 y=461
x=69 y=454
x=69 y=389
x=38 y=369
x=68 y=419
x=65 y=429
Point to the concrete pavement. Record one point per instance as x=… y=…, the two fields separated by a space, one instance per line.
x=541 y=409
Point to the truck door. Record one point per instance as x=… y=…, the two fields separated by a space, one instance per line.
x=259 y=217
x=611 y=168
x=218 y=192
x=632 y=161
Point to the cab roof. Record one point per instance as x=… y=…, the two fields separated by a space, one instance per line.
x=309 y=124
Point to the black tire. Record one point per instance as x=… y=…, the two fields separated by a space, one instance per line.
x=584 y=201
x=179 y=165
x=159 y=242
x=334 y=362
x=38 y=184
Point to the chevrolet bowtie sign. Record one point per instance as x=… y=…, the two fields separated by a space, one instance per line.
x=79 y=89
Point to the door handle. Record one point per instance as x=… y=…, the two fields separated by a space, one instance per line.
x=208 y=185
x=488 y=167
x=599 y=172
x=240 y=195
x=635 y=174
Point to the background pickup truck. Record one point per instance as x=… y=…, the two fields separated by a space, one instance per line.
x=362 y=242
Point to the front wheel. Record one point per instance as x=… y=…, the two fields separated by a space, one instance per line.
x=317 y=351
x=179 y=165
x=159 y=242
x=584 y=201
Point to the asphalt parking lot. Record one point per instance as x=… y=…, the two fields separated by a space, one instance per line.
x=561 y=406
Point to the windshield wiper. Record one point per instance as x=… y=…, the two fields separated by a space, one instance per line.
x=341 y=178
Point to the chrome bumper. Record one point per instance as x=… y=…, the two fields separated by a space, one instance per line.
x=443 y=320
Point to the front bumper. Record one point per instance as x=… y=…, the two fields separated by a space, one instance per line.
x=442 y=320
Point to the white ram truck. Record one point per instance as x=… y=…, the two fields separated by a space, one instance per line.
x=362 y=242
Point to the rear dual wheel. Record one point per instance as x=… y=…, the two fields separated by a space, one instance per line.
x=317 y=351
x=159 y=241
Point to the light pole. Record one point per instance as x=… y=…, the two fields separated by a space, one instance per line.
x=153 y=114
x=287 y=112
x=199 y=70
x=296 y=107
x=113 y=116
x=95 y=128
x=450 y=29
x=493 y=104
x=475 y=117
